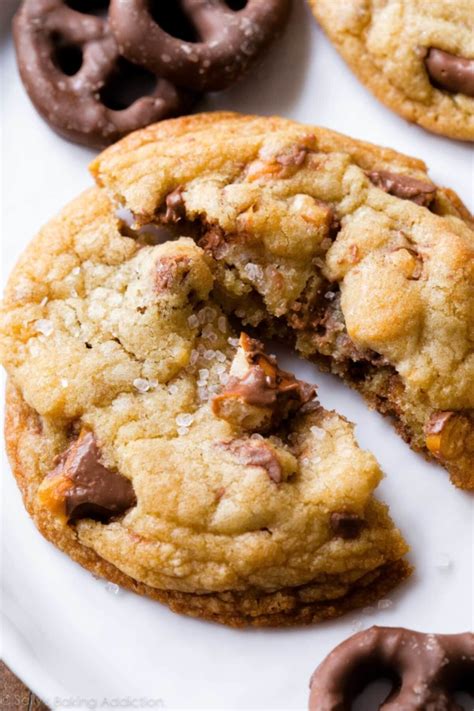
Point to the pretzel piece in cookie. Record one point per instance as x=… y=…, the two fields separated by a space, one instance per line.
x=428 y=669
x=71 y=68
x=259 y=395
x=214 y=44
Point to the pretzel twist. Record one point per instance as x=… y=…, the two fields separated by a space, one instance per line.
x=227 y=41
x=427 y=670
x=70 y=97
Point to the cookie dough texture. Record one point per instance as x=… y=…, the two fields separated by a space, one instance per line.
x=346 y=249
x=386 y=42
x=106 y=328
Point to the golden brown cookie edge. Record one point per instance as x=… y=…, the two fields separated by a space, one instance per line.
x=388 y=94
x=283 y=608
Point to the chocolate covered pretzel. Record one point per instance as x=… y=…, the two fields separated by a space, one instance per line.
x=203 y=45
x=72 y=70
x=427 y=670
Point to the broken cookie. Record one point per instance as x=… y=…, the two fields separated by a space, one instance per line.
x=168 y=452
x=346 y=250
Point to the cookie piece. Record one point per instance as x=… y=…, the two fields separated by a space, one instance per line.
x=203 y=45
x=70 y=65
x=428 y=669
x=347 y=250
x=119 y=360
x=415 y=56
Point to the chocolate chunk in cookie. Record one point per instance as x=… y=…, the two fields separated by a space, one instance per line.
x=404 y=187
x=450 y=72
x=416 y=56
x=82 y=487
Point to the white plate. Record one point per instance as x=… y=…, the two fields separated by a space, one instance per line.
x=75 y=642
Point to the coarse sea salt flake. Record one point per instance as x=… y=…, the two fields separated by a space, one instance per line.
x=208 y=331
x=184 y=419
x=143 y=385
x=193 y=321
x=112 y=588
x=44 y=326
x=443 y=562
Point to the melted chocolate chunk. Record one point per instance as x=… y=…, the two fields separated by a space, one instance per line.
x=404 y=187
x=450 y=72
x=265 y=385
x=175 y=207
x=255 y=388
x=213 y=241
x=95 y=491
x=258 y=454
x=427 y=670
x=346 y=525
x=295 y=157
x=171 y=272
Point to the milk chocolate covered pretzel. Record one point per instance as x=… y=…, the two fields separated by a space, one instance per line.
x=427 y=669
x=203 y=45
x=70 y=65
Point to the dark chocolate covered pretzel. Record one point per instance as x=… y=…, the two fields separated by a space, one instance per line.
x=203 y=45
x=71 y=67
x=427 y=669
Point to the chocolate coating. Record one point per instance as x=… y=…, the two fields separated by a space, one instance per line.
x=404 y=186
x=427 y=669
x=265 y=385
x=450 y=72
x=226 y=41
x=94 y=491
x=70 y=65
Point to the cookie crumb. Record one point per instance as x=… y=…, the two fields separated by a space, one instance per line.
x=443 y=562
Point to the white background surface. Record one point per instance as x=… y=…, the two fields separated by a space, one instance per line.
x=75 y=642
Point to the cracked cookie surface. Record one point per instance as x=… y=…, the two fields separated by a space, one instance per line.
x=166 y=453
x=415 y=56
x=345 y=249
